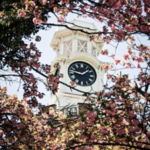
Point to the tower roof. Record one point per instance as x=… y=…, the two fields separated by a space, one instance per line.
x=63 y=33
x=78 y=24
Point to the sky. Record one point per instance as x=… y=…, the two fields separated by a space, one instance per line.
x=48 y=55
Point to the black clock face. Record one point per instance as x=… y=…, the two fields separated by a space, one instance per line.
x=82 y=73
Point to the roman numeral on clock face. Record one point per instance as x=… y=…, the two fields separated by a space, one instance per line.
x=91 y=75
x=73 y=76
x=90 y=80
x=71 y=71
x=77 y=80
x=76 y=66
x=81 y=65
x=72 y=68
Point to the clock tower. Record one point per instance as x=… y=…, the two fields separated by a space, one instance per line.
x=77 y=56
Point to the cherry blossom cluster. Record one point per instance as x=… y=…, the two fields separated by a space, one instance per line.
x=21 y=129
x=53 y=79
x=118 y=116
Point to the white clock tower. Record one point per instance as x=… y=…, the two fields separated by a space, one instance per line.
x=77 y=56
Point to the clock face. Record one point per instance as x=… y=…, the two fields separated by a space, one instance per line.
x=82 y=73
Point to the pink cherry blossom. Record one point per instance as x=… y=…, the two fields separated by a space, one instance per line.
x=104 y=52
x=106 y=67
x=148 y=134
x=84 y=15
x=92 y=38
x=111 y=66
x=138 y=66
x=44 y=2
x=73 y=83
x=139 y=59
x=129 y=51
x=134 y=122
x=131 y=114
x=37 y=21
x=112 y=55
x=119 y=35
x=128 y=65
x=144 y=28
x=109 y=76
x=67 y=2
x=24 y=102
x=1 y=133
x=113 y=28
x=129 y=28
x=61 y=18
x=121 y=131
x=126 y=57
x=1 y=14
x=21 y=13
x=108 y=94
x=61 y=2
x=89 y=98
x=107 y=41
x=117 y=61
x=32 y=4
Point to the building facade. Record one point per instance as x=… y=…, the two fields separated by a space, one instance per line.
x=77 y=56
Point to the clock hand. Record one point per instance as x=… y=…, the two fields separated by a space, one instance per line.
x=85 y=72
x=76 y=72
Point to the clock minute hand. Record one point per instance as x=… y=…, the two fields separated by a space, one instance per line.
x=77 y=72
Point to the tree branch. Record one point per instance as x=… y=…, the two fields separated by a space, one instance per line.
x=107 y=144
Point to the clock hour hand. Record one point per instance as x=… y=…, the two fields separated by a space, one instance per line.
x=85 y=72
x=76 y=72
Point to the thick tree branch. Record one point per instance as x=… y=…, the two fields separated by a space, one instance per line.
x=109 y=144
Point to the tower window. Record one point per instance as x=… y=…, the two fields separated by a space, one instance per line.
x=68 y=47
x=71 y=111
x=82 y=46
